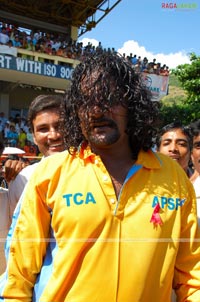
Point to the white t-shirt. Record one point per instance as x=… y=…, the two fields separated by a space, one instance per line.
x=8 y=201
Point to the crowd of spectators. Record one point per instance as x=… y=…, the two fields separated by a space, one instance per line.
x=62 y=45
x=15 y=132
x=143 y=65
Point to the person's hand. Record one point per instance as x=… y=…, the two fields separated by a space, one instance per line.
x=12 y=168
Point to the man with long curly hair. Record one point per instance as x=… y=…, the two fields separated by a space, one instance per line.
x=107 y=220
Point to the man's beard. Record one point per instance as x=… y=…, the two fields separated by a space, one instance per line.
x=104 y=138
x=100 y=136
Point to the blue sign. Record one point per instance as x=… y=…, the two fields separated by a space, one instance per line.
x=36 y=67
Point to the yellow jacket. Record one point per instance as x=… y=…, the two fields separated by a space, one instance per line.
x=105 y=250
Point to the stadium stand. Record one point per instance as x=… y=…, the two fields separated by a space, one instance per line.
x=37 y=58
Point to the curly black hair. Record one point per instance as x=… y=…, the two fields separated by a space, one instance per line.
x=195 y=128
x=109 y=79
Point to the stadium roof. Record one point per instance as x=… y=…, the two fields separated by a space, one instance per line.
x=56 y=15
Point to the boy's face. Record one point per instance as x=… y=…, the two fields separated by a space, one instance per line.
x=195 y=155
x=46 y=133
x=175 y=144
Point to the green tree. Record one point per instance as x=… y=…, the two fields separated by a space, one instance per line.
x=189 y=76
x=184 y=108
x=186 y=113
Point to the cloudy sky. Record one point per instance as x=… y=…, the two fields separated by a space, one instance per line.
x=152 y=29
